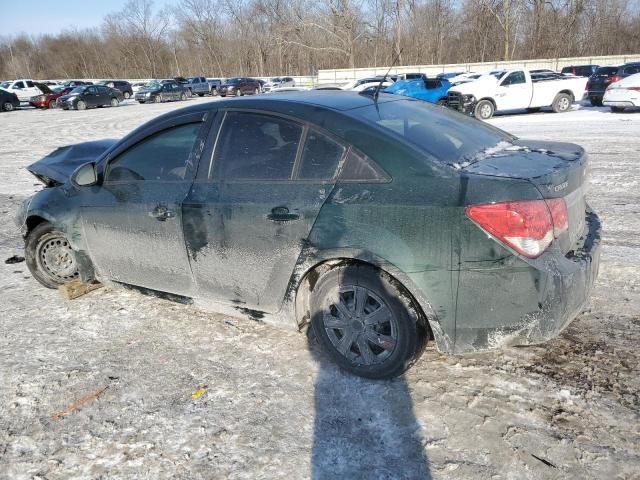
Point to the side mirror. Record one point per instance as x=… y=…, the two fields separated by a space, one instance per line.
x=85 y=175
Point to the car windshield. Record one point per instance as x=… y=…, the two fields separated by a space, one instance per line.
x=153 y=85
x=275 y=79
x=5 y=84
x=77 y=90
x=447 y=136
x=232 y=81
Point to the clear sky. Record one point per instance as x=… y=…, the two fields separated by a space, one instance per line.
x=34 y=17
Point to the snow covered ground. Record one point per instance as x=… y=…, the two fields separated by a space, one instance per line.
x=274 y=407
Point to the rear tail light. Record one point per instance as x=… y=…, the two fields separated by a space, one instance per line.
x=527 y=226
x=614 y=78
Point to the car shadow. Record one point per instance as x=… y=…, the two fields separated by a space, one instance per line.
x=363 y=429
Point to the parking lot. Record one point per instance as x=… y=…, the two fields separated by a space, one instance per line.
x=270 y=404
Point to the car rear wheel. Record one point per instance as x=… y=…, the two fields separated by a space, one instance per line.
x=158 y=99
x=49 y=256
x=114 y=102
x=256 y=91
x=126 y=95
x=7 y=106
x=364 y=323
x=617 y=109
x=562 y=103
x=81 y=105
x=238 y=92
x=484 y=110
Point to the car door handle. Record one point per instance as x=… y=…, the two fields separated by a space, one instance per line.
x=282 y=214
x=162 y=213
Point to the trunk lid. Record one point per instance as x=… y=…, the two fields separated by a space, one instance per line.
x=58 y=166
x=558 y=170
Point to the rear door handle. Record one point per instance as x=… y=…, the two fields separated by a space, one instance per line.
x=282 y=214
x=162 y=213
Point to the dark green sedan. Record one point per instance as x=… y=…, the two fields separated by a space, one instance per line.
x=381 y=222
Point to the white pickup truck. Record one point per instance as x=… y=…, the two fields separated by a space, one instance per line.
x=24 y=89
x=513 y=90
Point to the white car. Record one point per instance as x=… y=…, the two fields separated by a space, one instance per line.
x=623 y=94
x=514 y=90
x=278 y=82
x=364 y=83
x=23 y=88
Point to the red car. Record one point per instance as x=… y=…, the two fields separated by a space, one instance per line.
x=48 y=97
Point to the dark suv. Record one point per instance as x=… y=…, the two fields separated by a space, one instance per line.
x=580 y=70
x=239 y=86
x=604 y=77
x=122 y=85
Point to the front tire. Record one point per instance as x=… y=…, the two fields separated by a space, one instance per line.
x=81 y=105
x=114 y=102
x=126 y=95
x=158 y=99
x=484 y=110
x=562 y=103
x=52 y=104
x=49 y=256
x=238 y=92
x=364 y=322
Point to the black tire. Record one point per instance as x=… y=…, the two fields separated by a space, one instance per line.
x=595 y=102
x=442 y=102
x=126 y=95
x=533 y=110
x=617 y=109
x=562 y=103
x=238 y=93
x=7 y=107
x=52 y=104
x=183 y=97
x=378 y=350
x=44 y=246
x=256 y=91
x=157 y=99
x=81 y=105
x=484 y=110
x=201 y=94
x=114 y=102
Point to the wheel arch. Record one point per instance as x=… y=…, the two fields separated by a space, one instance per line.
x=303 y=282
x=567 y=92
x=489 y=99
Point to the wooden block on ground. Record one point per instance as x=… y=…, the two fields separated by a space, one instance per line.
x=77 y=288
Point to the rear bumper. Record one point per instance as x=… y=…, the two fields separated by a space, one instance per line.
x=545 y=295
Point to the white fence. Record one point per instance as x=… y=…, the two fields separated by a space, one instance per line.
x=348 y=74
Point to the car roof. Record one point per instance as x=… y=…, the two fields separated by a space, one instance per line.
x=330 y=99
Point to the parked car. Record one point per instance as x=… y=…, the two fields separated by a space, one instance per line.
x=158 y=92
x=368 y=82
x=448 y=75
x=512 y=90
x=623 y=94
x=325 y=208
x=76 y=83
x=605 y=76
x=136 y=87
x=122 y=85
x=8 y=101
x=432 y=90
x=87 y=96
x=580 y=70
x=240 y=86
x=23 y=88
x=197 y=86
x=48 y=98
x=278 y=82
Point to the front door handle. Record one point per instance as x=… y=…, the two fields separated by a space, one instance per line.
x=162 y=213
x=282 y=214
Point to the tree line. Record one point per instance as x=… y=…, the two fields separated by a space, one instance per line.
x=298 y=37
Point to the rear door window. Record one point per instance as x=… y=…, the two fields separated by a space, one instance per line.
x=254 y=146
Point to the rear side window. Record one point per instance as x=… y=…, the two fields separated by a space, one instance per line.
x=160 y=157
x=514 y=78
x=256 y=146
x=358 y=168
x=320 y=157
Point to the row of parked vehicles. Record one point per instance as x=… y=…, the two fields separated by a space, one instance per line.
x=79 y=94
